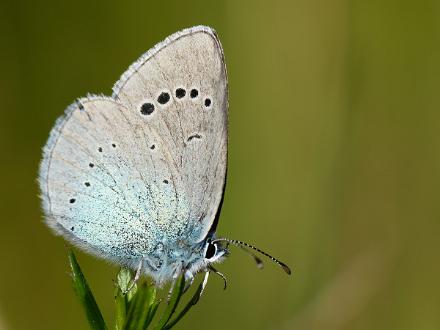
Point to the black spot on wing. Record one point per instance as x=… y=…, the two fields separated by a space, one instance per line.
x=194 y=136
x=147 y=108
x=194 y=93
x=163 y=98
x=180 y=93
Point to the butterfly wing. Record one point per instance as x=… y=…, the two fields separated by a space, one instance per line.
x=119 y=175
x=189 y=68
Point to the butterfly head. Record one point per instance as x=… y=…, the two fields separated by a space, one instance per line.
x=214 y=251
x=201 y=257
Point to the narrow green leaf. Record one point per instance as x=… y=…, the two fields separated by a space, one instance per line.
x=120 y=309
x=151 y=312
x=94 y=316
x=133 y=311
x=138 y=312
x=172 y=304
x=122 y=283
x=148 y=302
x=191 y=303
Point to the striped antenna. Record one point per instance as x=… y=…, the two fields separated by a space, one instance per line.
x=244 y=245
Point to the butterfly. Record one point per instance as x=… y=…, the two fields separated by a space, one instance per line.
x=138 y=178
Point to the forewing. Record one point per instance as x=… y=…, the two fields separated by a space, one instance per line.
x=103 y=181
x=182 y=83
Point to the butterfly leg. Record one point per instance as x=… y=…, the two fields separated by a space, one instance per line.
x=205 y=281
x=189 y=279
x=219 y=274
x=137 y=275
x=173 y=284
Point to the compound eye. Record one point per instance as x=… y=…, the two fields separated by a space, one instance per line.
x=210 y=251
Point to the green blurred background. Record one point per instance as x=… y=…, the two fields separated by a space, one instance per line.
x=333 y=164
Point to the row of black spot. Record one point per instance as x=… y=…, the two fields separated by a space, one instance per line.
x=92 y=165
x=164 y=98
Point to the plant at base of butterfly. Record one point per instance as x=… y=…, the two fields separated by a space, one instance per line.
x=134 y=309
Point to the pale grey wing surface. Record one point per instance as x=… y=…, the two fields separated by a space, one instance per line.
x=105 y=186
x=182 y=83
